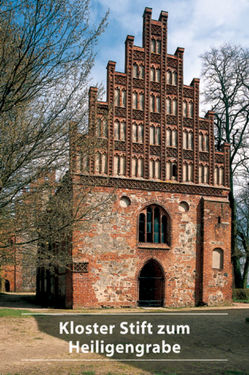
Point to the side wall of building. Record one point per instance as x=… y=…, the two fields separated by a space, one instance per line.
x=217 y=267
x=19 y=277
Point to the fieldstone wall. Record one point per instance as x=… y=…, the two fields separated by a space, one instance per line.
x=217 y=282
x=110 y=247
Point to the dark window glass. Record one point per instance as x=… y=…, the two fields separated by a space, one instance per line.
x=142 y=228
x=174 y=170
x=164 y=228
x=149 y=224
x=156 y=225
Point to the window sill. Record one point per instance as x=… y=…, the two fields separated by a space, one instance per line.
x=150 y=245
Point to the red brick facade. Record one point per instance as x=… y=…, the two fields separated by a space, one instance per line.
x=19 y=277
x=164 y=239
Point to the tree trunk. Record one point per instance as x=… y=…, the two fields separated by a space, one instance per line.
x=238 y=281
x=245 y=273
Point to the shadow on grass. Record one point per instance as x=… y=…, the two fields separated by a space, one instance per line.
x=19 y=300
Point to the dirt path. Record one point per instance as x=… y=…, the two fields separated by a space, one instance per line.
x=37 y=338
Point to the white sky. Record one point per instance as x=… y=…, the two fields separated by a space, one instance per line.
x=196 y=25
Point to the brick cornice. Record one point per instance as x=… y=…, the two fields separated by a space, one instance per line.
x=124 y=183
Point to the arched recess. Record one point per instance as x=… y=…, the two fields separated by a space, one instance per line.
x=151 y=284
x=218 y=259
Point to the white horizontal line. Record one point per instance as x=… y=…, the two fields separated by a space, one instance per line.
x=122 y=360
x=125 y=314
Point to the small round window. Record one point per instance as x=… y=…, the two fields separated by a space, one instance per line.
x=124 y=202
x=183 y=207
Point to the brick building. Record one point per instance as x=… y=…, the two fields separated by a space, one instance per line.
x=19 y=277
x=164 y=239
x=19 y=274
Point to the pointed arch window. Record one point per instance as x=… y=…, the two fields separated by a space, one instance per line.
x=154 y=225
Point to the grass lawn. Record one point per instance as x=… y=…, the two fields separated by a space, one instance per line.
x=13 y=313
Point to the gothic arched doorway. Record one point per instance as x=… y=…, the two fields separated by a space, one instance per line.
x=151 y=284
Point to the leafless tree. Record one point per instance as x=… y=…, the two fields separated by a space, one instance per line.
x=47 y=50
x=226 y=79
x=243 y=232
